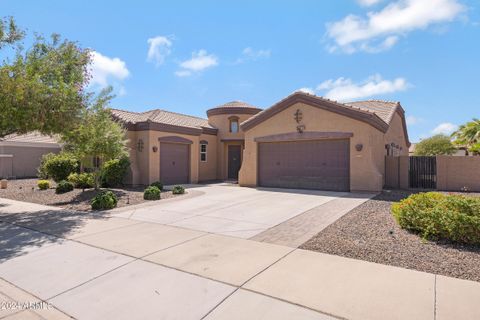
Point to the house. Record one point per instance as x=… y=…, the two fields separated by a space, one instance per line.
x=303 y=141
x=20 y=155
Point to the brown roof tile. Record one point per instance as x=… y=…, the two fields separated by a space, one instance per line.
x=31 y=137
x=237 y=104
x=384 y=109
x=161 y=116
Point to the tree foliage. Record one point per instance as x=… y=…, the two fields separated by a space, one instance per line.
x=97 y=136
x=437 y=145
x=41 y=88
x=468 y=135
x=9 y=32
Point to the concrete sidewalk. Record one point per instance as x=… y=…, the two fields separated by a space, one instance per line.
x=113 y=268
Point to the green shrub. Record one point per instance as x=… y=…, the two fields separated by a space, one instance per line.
x=151 y=193
x=43 y=184
x=114 y=171
x=157 y=184
x=82 y=180
x=178 y=190
x=438 y=216
x=63 y=187
x=58 y=166
x=42 y=170
x=104 y=200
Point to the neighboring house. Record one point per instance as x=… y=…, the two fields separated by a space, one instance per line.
x=303 y=141
x=460 y=152
x=20 y=155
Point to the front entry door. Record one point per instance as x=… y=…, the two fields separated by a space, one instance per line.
x=234 y=161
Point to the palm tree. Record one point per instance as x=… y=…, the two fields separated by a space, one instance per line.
x=468 y=135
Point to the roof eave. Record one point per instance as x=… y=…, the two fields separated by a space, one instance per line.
x=332 y=106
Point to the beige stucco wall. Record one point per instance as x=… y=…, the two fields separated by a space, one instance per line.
x=208 y=170
x=145 y=164
x=396 y=135
x=455 y=173
x=25 y=160
x=366 y=166
x=222 y=123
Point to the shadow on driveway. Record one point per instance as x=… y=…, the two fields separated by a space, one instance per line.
x=22 y=232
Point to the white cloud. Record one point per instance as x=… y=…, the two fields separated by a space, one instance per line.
x=412 y=120
x=105 y=69
x=446 y=128
x=251 y=54
x=343 y=89
x=306 y=90
x=368 y=3
x=159 y=49
x=183 y=73
x=200 y=61
x=380 y=30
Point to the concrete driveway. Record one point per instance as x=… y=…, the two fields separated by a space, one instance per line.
x=240 y=212
x=103 y=267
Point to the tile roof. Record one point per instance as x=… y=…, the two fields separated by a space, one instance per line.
x=236 y=104
x=384 y=109
x=31 y=137
x=161 y=116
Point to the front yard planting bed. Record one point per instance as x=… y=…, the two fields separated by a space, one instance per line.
x=370 y=232
x=28 y=191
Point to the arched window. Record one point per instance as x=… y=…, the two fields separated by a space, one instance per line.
x=233 y=124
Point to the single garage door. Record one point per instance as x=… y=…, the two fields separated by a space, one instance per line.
x=317 y=164
x=174 y=163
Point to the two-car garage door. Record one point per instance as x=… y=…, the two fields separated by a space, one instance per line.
x=316 y=164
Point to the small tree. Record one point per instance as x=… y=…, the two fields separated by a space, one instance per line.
x=468 y=135
x=437 y=145
x=97 y=136
x=41 y=88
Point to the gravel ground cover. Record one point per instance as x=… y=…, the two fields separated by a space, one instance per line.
x=27 y=190
x=369 y=232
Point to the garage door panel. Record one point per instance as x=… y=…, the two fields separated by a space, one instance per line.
x=174 y=163
x=321 y=164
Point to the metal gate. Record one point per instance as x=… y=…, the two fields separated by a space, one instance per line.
x=423 y=172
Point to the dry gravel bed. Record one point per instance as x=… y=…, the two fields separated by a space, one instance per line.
x=27 y=190
x=369 y=232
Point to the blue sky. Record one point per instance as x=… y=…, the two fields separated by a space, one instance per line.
x=188 y=56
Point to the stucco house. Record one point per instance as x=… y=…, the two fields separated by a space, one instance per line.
x=20 y=155
x=303 y=141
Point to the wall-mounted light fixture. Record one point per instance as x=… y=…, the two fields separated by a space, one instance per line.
x=154 y=148
x=359 y=147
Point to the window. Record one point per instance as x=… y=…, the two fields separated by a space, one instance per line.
x=234 y=125
x=203 y=152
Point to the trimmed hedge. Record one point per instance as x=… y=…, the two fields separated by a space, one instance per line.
x=63 y=187
x=438 y=216
x=178 y=190
x=58 y=166
x=157 y=184
x=43 y=184
x=114 y=171
x=104 y=200
x=82 y=180
x=151 y=193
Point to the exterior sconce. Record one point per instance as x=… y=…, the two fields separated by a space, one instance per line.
x=140 y=145
x=359 y=147
x=154 y=148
